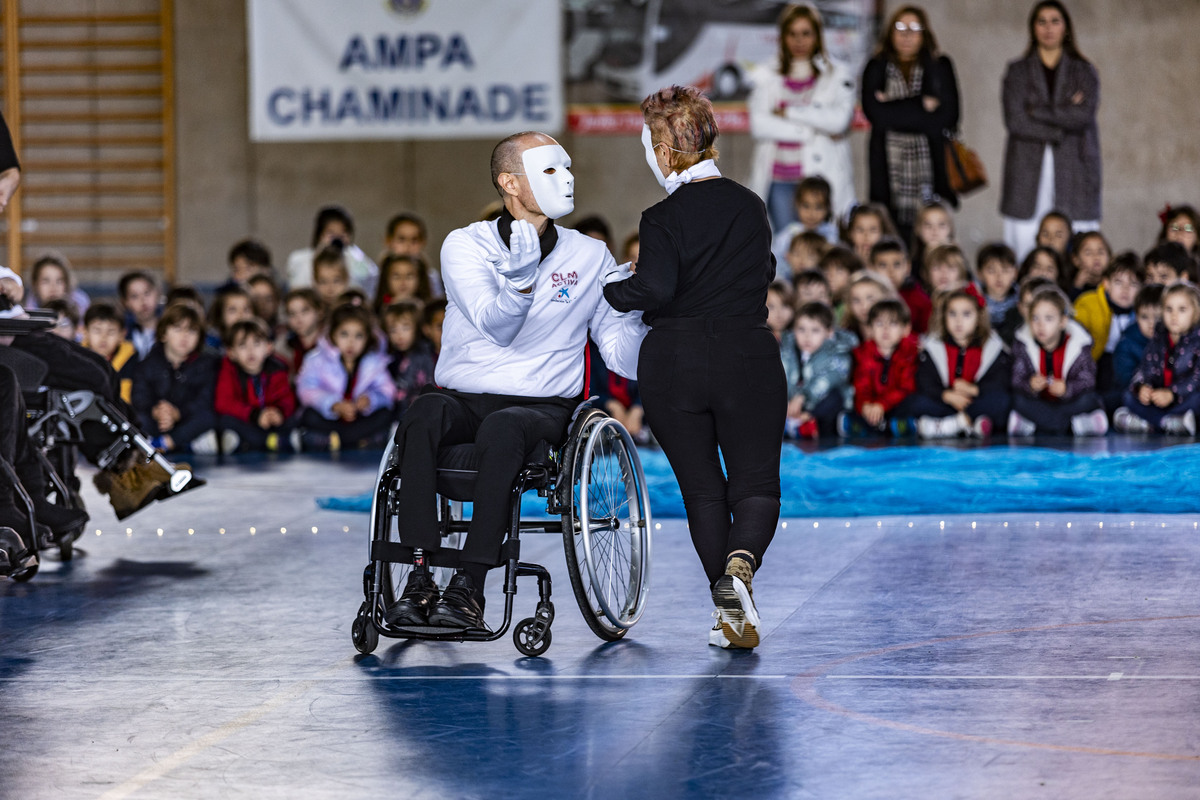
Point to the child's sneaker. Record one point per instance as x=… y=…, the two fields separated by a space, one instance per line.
x=206 y=444
x=1094 y=423
x=229 y=442
x=981 y=428
x=808 y=429
x=1180 y=424
x=791 y=428
x=903 y=426
x=939 y=427
x=335 y=441
x=850 y=426
x=1128 y=422
x=272 y=442
x=734 y=599
x=1020 y=426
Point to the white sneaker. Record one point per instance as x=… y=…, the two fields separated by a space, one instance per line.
x=1020 y=426
x=295 y=441
x=206 y=444
x=1094 y=423
x=1180 y=424
x=229 y=442
x=737 y=615
x=1125 y=420
x=716 y=637
x=939 y=427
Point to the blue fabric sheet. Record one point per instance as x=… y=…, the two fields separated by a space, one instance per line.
x=851 y=482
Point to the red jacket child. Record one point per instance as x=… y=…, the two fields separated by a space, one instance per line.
x=245 y=396
x=886 y=382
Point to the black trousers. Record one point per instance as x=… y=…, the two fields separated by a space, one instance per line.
x=709 y=386
x=504 y=430
x=365 y=431
x=14 y=442
x=1054 y=417
x=253 y=438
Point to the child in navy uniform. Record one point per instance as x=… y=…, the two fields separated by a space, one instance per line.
x=1165 y=391
x=1054 y=377
x=1132 y=344
x=963 y=373
x=411 y=364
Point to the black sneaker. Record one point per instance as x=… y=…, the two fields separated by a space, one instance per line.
x=66 y=523
x=420 y=595
x=461 y=605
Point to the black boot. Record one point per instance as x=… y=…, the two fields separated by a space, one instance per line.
x=461 y=605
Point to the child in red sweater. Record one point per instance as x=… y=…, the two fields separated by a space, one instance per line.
x=888 y=257
x=255 y=402
x=885 y=373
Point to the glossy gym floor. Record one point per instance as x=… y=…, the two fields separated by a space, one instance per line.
x=201 y=649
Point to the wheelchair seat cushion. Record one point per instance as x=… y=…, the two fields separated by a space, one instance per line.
x=458 y=466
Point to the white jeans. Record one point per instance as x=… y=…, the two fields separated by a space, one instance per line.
x=1021 y=234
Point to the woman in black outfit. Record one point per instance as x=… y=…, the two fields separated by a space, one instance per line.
x=709 y=371
x=910 y=96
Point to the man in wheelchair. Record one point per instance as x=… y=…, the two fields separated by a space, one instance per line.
x=73 y=403
x=523 y=295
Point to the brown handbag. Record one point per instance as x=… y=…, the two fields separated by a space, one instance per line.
x=964 y=168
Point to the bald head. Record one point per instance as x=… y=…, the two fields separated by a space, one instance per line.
x=506 y=156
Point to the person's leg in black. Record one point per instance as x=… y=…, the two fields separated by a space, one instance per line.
x=434 y=420
x=826 y=411
x=368 y=431
x=251 y=438
x=993 y=405
x=502 y=445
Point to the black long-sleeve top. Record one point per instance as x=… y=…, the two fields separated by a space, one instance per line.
x=705 y=252
x=8 y=154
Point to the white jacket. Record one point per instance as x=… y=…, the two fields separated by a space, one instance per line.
x=496 y=340
x=821 y=128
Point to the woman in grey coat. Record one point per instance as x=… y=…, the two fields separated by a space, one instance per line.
x=1052 y=157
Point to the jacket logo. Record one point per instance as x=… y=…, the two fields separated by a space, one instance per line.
x=562 y=283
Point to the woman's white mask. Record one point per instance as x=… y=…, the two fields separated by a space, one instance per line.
x=651 y=158
x=548 y=169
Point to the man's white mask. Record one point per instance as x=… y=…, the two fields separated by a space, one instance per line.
x=651 y=158
x=548 y=169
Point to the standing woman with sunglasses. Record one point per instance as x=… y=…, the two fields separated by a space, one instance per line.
x=1052 y=157
x=910 y=96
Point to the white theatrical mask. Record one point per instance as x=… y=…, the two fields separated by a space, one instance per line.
x=548 y=169
x=651 y=158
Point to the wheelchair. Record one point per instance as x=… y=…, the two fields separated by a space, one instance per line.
x=598 y=502
x=55 y=422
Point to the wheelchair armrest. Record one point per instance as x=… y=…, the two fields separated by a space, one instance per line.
x=22 y=326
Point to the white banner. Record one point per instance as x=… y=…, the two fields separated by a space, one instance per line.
x=403 y=69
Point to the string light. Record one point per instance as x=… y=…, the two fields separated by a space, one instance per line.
x=222 y=531
x=972 y=525
x=345 y=529
x=191 y=531
x=785 y=526
x=283 y=531
x=314 y=529
x=97 y=531
x=160 y=533
x=942 y=525
x=816 y=524
x=252 y=531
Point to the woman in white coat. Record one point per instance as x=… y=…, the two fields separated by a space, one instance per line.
x=800 y=113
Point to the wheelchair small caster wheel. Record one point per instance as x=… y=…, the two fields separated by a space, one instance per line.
x=66 y=551
x=528 y=640
x=26 y=574
x=364 y=634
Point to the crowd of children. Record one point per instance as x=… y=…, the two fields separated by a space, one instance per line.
x=878 y=337
x=885 y=338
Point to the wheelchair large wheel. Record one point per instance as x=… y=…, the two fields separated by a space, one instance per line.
x=606 y=529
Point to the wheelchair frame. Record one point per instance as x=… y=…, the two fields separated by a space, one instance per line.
x=587 y=514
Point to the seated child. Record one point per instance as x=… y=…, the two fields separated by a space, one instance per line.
x=431 y=324
x=139 y=295
x=997 y=270
x=1090 y=256
x=889 y=258
x=51 y=278
x=1054 y=231
x=402 y=278
x=865 y=290
x=305 y=316
x=246 y=259
x=946 y=269
x=331 y=276
x=1030 y=287
x=345 y=387
x=66 y=318
x=1132 y=344
x=1053 y=376
x=1106 y=311
x=254 y=401
x=1167 y=263
x=837 y=266
x=814 y=213
x=779 y=308
x=231 y=305
x=265 y=299
x=411 y=365
x=1181 y=224
x=1044 y=262
x=1165 y=391
x=104 y=333
x=866 y=225
x=805 y=253
x=933 y=227
x=884 y=373
x=173 y=386
x=963 y=374
x=817 y=364
x=810 y=286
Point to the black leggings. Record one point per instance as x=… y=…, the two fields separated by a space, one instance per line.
x=704 y=388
